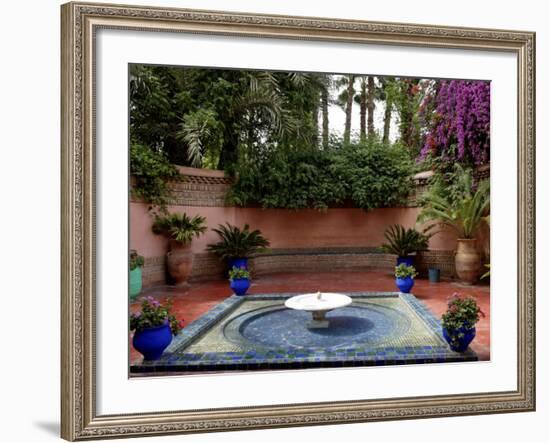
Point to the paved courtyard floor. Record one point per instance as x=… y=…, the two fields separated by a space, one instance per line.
x=192 y=302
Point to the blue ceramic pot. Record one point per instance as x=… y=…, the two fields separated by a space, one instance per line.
x=405 y=284
x=238 y=263
x=434 y=275
x=240 y=285
x=152 y=342
x=460 y=344
x=408 y=260
x=135 y=283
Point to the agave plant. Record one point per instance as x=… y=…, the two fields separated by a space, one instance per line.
x=237 y=243
x=180 y=227
x=465 y=214
x=403 y=242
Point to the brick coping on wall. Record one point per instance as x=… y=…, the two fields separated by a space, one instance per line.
x=209 y=187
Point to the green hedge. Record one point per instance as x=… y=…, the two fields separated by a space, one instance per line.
x=369 y=176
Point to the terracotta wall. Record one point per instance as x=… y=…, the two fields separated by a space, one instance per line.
x=286 y=228
x=150 y=245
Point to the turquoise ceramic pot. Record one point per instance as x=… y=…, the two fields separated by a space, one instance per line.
x=135 y=283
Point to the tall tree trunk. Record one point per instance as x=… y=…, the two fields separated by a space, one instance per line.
x=349 y=105
x=387 y=120
x=228 y=154
x=370 y=104
x=363 y=110
x=324 y=110
x=407 y=114
x=315 y=118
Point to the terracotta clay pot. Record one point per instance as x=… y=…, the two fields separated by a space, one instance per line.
x=179 y=262
x=467 y=260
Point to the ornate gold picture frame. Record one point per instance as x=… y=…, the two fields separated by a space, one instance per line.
x=80 y=22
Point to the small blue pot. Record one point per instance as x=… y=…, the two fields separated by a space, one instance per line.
x=461 y=343
x=408 y=260
x=240 y=285
x=238 y=263
x=152 y=342
x=434 y=275
x=405 y=284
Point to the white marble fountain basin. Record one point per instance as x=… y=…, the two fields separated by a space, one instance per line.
x=318 y=304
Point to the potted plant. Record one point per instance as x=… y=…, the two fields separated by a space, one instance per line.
x=236 y=245
x=404 y=277
x=154 y=326
x=180 y=229
x=136 y=265
x=458 y=322
x=404 y=242
x=464 y=214
x=239 y=280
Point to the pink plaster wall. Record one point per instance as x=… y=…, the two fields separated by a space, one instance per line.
x=286 y=228
x=150 y=245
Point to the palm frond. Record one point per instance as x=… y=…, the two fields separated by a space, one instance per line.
x=402 y=242
x=464 y=214
x=180 y=227
x=237 y=243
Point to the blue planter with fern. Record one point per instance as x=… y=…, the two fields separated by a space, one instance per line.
x=240 y=285
x=408 y=260
x=241 y=262
x=405 y=284
x=404 y=277
x=239 y=280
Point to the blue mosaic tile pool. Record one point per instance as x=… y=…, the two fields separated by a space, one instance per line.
x=258 y=332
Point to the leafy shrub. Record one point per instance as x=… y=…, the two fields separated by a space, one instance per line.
x=238 y=273
x=403 y=271
x=136 y=260
x=152 y=314
x=151 y=171
x=462 y=312
x=369 y=176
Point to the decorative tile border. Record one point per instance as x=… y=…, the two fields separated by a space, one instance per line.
x=175 y=360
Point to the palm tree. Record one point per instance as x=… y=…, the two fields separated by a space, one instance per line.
x=370 y=104
x=345 y=100
x=366 y=100
x=388 y=95
x=363 y=110
x=324 y=83
x=261 y=101
x=464 y=213
x=324 y=111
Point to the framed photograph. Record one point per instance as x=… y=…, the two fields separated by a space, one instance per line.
x=292 y=221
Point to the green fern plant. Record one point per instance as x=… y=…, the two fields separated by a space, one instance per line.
x=237 y=243
x=403 y=242
x=180 y=227
x=463 y=214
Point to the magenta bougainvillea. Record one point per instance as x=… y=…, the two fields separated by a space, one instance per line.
x=460 y=123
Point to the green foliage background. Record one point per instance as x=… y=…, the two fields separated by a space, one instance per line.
x=367 y=176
